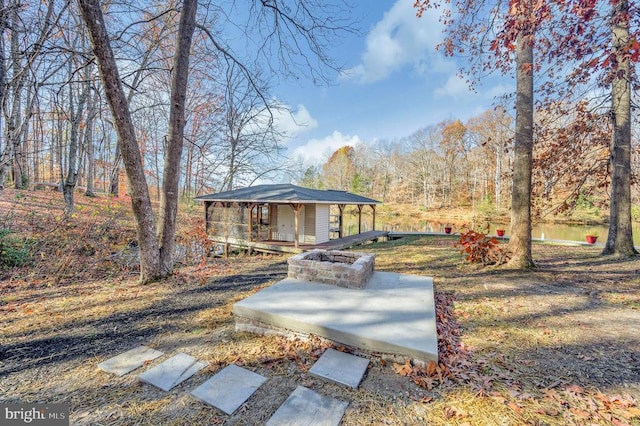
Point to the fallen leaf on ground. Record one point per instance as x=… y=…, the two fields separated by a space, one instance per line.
x=403 y=369
x=515 y=407
x=454 y=412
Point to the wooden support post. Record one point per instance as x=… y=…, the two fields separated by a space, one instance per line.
x=373 y=207
x=207 y=204
x=296 y=221
x=359 y=218
x=250 y=208
x=258 y=221
x=340 y=220
x=273 y=221
x=226 y=221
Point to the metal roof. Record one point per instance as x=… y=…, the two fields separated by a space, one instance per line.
x=287 y=193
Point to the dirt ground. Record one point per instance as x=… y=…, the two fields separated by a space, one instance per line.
x=553 y=346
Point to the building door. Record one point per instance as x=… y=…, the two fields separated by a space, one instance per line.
x=286 y=223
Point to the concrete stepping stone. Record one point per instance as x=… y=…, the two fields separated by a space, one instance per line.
x=129 y=361
x=229 y=389
x=305 y=407
x=173 y=371
x=340 y=367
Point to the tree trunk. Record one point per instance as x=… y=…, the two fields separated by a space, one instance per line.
x=620 y=237
x=232 y=165
x=150 y=266
x=37 y=145
x=520 y=241
x=170 y=183
x=114 y=178
x=156 y=164
x=89 y=146
x=20 y=72
x=5 y=153
x=498 y=176
x=71 y=178
x=13 y=131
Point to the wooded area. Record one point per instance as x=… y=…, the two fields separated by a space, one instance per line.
x=58 y=128
x=162 y=91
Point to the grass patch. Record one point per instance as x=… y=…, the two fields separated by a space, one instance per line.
x=14 y=251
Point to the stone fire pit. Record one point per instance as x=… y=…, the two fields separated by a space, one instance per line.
x=339 y=268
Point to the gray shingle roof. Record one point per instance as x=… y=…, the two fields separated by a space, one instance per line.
x=287 y=193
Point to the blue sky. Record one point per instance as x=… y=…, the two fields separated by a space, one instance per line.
x=394 y=83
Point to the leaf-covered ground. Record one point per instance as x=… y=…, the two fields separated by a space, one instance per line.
x=558 y=345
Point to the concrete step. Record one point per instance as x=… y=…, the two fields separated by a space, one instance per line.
x=229 y=388
x=129 y=361
x=339 y=367
x=173 y=371
x=305 y=407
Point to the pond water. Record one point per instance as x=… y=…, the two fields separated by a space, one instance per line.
x=546 y=231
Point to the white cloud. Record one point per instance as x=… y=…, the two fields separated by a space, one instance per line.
x=293 y=123
x=400 y=39
x=317 y=151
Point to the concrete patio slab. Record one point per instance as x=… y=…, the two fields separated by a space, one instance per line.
x=229 y=389
x=393 y=314
x=173 y=371
x=129 y=360
x=305 y=407
x=340 y=367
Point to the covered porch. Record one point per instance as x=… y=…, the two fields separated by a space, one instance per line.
x=286 y=218
x=270 y=227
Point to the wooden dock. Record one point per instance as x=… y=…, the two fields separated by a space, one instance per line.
x=289 y=246
x=352 y=240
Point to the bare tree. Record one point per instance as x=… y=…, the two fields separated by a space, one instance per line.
x=493 y=131
x=89 y=144
x=156 y=254
x=252 y=141
x=78 y=97
x=281 y=25
x=24 y=53
x=426 y=162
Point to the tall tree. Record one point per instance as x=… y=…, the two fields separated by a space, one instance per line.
x=89 y=145
x=520 y=241
x=491 y=36
x=493 y=130
x=424 y=161
x=170 y=191
x=78 y=97
x=287 y=32
x=340 y=169
x=5 y=152
x=25 y=49
x=603 y=48
x=251 y=140
x=571 y=156
x=624 y=49
x=453 y=146
x=156 y=253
